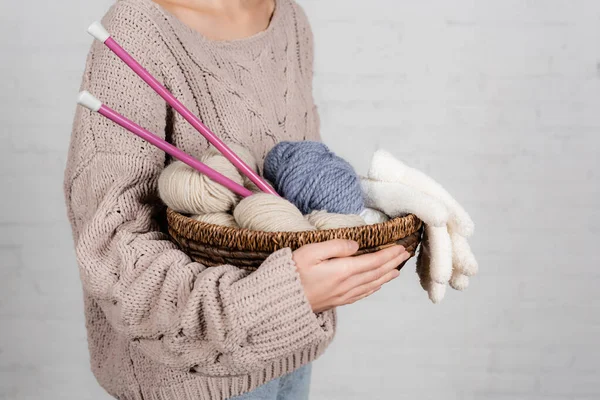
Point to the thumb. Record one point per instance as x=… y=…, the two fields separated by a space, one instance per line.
x=315 y=253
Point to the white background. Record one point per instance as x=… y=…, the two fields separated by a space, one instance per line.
x=497 y=99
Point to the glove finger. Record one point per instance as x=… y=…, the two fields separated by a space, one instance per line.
x=440 y=254
x=386 y=167
x=459 y=281
x=396 y=199
x=463 y=259
x=435 y=291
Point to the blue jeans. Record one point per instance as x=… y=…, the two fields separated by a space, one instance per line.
x=293 y=386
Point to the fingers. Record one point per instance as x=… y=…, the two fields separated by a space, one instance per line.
x=371 y=261
x=395 y=198
x=371 y=286
x=355 y=299
x=315 y=253
x=372 y=276
x=365 y=274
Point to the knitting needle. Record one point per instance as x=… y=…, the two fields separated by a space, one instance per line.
x=87 y=100
x=101 y=34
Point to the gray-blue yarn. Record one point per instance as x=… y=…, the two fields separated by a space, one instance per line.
x=310 y=176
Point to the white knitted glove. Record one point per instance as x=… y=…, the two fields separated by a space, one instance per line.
x=445 y=256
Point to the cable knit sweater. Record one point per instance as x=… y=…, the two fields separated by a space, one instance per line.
x=160 y=326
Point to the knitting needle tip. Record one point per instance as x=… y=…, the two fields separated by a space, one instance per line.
x=87 y=100
x=98 y=31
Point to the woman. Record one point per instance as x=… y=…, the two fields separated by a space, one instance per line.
x=159 y=325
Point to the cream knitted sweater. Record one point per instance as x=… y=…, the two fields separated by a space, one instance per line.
x=159 y=325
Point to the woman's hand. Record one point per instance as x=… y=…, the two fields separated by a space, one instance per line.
x=332 y=278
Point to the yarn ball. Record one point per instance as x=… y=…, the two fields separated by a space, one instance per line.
x=221 y=218
x=323 y=220
x=246 y=157
x=187 y=191
x=268 y=213
x=312 y=177
x=373 y=216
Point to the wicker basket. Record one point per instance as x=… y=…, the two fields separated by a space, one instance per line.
x=217 y=245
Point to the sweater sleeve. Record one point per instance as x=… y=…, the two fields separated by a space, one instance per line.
x=216 y=321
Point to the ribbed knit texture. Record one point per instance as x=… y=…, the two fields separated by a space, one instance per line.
x=160 y=326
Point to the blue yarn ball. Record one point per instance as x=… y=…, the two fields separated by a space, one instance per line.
x=310 y=176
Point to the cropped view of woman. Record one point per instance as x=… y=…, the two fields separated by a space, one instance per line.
x=161 y=326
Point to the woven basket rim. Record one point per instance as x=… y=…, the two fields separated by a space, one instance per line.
x=189 y=229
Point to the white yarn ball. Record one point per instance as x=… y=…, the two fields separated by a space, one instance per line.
x=372 y=216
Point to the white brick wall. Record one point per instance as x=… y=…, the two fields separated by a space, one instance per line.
x=497 y=99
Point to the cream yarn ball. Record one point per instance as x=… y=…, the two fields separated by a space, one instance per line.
x=268 y=213
x=246 y=156
x=187 y=191
x=221 y=218
x=323 y=220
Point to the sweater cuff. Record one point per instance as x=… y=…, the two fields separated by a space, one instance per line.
x=270 y=306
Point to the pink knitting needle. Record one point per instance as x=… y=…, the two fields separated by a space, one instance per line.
x=89 y=101
x=101 y=34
